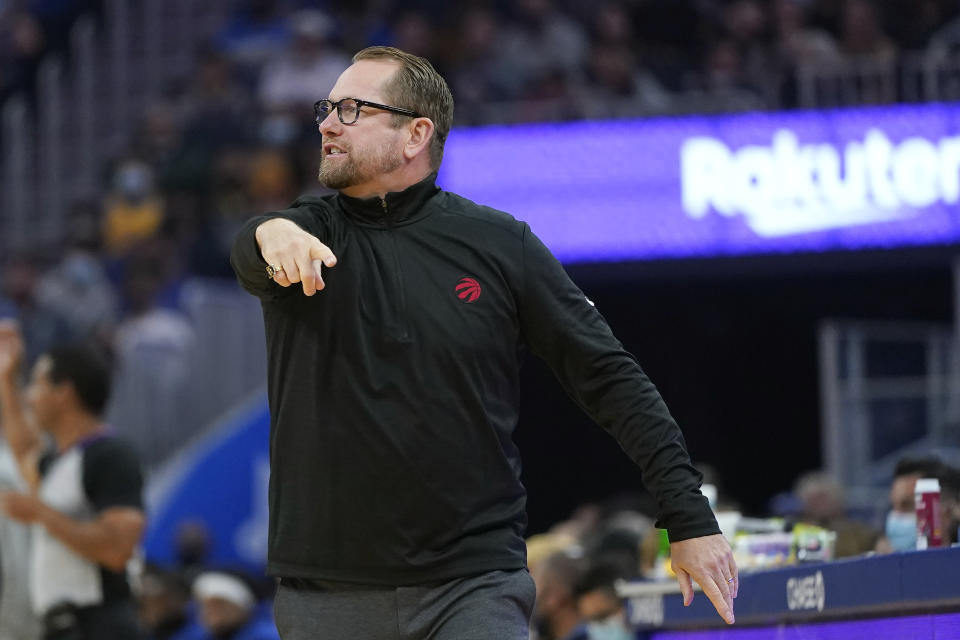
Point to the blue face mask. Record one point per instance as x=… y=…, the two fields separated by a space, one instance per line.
x=610 y=629
x=901 y=530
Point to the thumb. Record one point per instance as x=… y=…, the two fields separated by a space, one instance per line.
x=686 y=586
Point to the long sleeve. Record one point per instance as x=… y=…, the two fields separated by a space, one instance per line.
x=561 y=326
x=251 y=269
x=247 y=262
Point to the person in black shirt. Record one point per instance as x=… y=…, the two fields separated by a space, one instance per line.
x=396 y=508
x=85 y=492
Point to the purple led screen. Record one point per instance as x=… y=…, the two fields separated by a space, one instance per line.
x=924 y=627
x=721 y=185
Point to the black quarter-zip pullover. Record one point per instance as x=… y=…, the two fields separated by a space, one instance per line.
x=394 y=391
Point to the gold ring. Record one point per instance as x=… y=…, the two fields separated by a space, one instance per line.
x=273 y=270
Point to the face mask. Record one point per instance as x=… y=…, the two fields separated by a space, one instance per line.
x=81 y=271
x=901 y=530
x=610 y=629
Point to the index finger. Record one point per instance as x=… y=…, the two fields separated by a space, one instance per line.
x=308 y=275
x=713 y=590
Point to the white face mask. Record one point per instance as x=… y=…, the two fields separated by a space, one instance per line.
x=612 y=628
x=901 y=530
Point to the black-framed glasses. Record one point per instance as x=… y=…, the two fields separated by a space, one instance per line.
x=348 y=109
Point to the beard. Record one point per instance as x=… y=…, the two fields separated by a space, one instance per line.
x=359 y=166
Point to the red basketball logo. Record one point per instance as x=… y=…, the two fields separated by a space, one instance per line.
x=468 y=290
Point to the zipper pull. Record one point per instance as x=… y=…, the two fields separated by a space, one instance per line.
x=383 y=203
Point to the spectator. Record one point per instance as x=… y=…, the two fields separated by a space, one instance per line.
x=133 y=210
x=41 y=328
x=539 y=43
x=824 y=505
x=228 y=608
x=153 y=348
x=862 y=32
x=77 y=290
x=192 y=548
x=85 y=501
x=479 y=75
x=555 y=615
x=617 y=86
x=901 y=525
x=22 y=45
x=255 y=33
x=412 y=31
x=599 y=605
x=617 y=546
x=797 y=43
x=164 y=605
x=306 y=71
x=950 y=503
x=725 y=82
x=217 y=109
x=945 y=40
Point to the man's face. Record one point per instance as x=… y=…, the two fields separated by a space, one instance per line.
x=598 y=605
x=355 y=155
x=901 y=493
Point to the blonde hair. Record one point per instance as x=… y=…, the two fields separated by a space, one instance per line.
x=416 y=85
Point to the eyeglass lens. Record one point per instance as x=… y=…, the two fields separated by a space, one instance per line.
x=349 y=110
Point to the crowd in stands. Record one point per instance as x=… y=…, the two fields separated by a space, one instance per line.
x=237 y=137
x=492 y=51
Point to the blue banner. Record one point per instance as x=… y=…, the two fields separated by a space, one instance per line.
x=721 y=185
x=221 y=482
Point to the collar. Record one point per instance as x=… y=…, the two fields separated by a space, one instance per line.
x=395 y=209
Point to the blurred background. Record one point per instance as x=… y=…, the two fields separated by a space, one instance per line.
x=759 y=195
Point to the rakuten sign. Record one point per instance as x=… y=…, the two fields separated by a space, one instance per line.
x=789 y=188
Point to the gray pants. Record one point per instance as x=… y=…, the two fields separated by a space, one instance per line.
x=490 y=606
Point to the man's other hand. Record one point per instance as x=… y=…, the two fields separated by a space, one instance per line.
x=21 y=507
x=709 y=561
x=11 y=348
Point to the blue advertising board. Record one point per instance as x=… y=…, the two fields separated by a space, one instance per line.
x=220 y=481
x=817 y=601
x=707 y=186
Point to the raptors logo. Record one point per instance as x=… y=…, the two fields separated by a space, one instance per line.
x=468 y=290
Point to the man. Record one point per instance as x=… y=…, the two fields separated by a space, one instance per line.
x=228 y=608
x=84 y=499
x=900 y=530
x=17 y=621
x=163 y=601
x=396 y=504
x=599 y=605
x=950 y=503
x=824 y=504
x=555 y=616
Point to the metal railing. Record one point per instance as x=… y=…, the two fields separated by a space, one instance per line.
x=887 y=390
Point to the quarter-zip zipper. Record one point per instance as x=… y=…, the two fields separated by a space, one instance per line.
x=399 y=293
